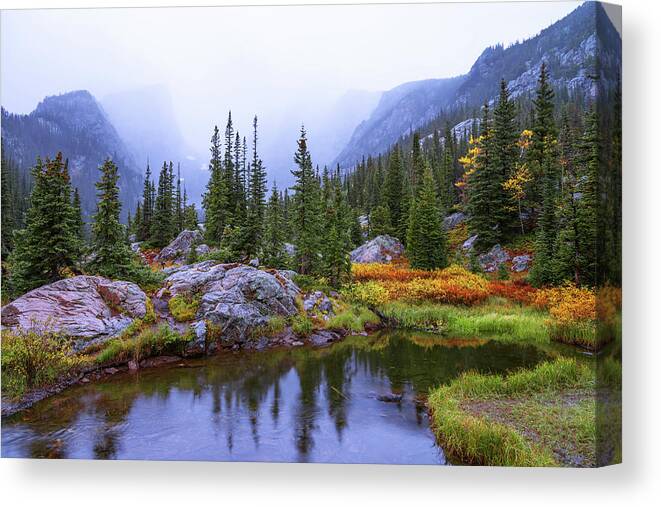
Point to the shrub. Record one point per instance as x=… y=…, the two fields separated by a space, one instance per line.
x=308 y=283
x=368 y=294
x=513 y=290
x=353 y=318
x=32 y=359
x=183 y=307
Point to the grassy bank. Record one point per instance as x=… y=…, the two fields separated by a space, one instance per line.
x=539 y=417
x=496 y=319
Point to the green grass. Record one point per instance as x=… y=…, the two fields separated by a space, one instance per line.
x=353 y=318
x=149 y=342
x=183 y=307
x=275 y=325
x=494 y=319
x=302 y=325
x=478 y=440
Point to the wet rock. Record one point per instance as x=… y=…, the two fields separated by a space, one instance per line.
x=468 y=244
x=135 y=247
x=133 y=365
x=381 y=249
x=254 y=263
x=297 y=343
x=453 y=220
x=521 y=263
x=323 y=337
x=288 y=273
x=178 y=250
x=491 y=260
x=197 y=346
x=152 y=362
x=390 y=398
x=89 y=309
x=234 y=297
x=111 y=371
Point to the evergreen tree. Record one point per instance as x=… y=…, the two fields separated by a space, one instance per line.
x=393 y=197
x=306 y=219
x=273 y=246
x=78 y=224
x=505 y=154
x=163 y=220
x=179 y=206
x=356 y=229
x=427 y=242
x=380 y=222
x=112 y=255
x=417 y=162
x=215 y=199
x=336 y=247
x=48 y=245
x=7 y=213
x=543 y=158
x=257 y=201
x=144 y=231
x=486 y=195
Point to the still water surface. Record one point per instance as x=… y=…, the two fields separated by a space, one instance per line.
x=306 y=405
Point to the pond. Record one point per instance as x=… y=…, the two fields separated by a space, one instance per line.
x=339 y=404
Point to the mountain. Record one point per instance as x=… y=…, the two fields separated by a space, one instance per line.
x=582 y=46
x=145 y=120
x=75 y=124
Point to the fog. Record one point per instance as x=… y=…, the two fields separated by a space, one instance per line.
x=289 y=65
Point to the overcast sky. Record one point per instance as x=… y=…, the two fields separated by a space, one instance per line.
x=262 y=60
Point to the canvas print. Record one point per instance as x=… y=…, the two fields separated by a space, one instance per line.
x=384 y=234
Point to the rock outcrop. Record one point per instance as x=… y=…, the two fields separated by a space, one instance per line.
x=521 y=263
x=178 y=250
x=381 y=249
x=453 y=220
x=88 y=309
x=235 y=298
x=491 y=260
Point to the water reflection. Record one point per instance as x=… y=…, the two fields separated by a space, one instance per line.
x=284 y=405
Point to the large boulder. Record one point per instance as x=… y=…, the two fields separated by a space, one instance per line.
x=178 y=250
x=381 y=249
x=89 y=309
x=234 y=297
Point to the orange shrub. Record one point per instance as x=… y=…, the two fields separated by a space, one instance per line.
x=567 y=303
x=387 y=272
x=453 y=285
x=513 y=290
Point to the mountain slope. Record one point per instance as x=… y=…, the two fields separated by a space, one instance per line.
x=76 y=125
x=582 y=45
x=145 y=120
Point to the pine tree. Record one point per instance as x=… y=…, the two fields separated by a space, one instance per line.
x=48 y=245
x=306 y=219
x=163 y=220
x=179 y=207
x=144 y=231
x=505 y=154
x=336 y=247
x=380 y=222
x=543 y=159
x=78 y=224
x=8 y=212
x=427 y=242
x=273 y=246
x=393 y=195
x=215 y=199
x=112 y=255
x=417 y=162
x=257 y=201
x=486 y=195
